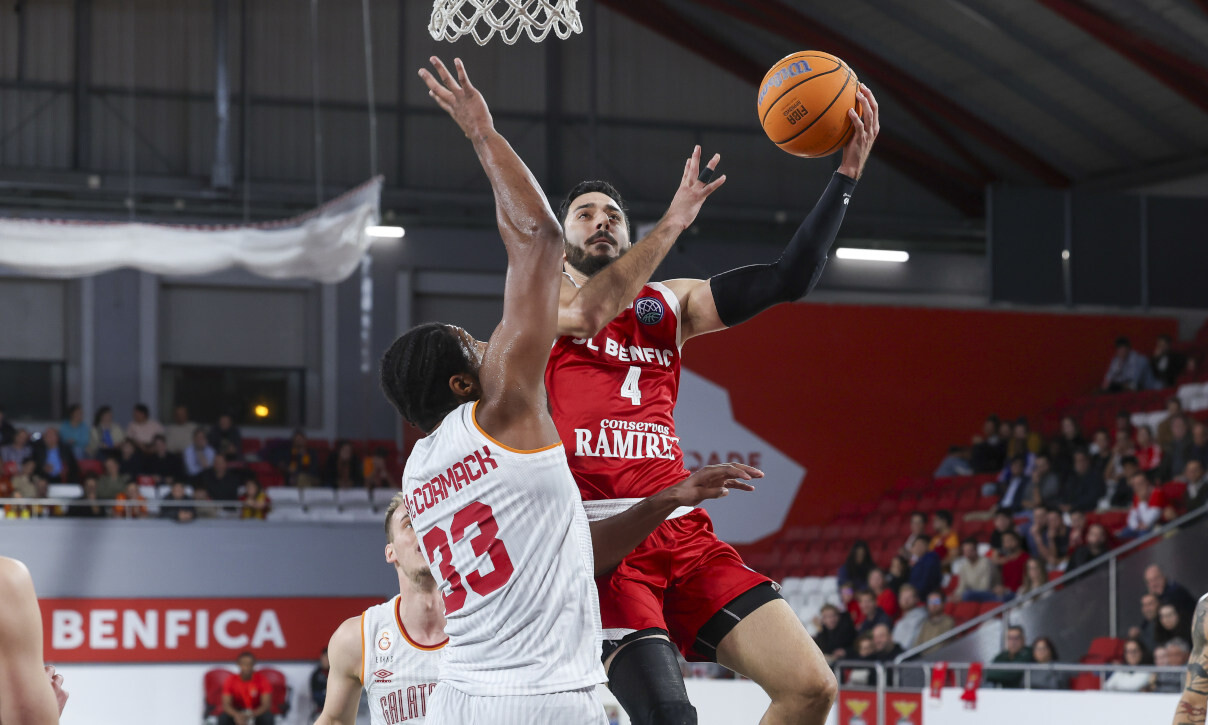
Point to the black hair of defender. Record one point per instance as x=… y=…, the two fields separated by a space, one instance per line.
x=415 y=372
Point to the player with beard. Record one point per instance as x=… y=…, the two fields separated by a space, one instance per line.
x=613 y=378
x=391 y=650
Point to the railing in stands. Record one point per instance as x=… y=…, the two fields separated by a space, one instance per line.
x=1109 y=560
x=222 y=509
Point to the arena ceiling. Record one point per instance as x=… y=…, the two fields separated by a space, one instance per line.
x=109 y=104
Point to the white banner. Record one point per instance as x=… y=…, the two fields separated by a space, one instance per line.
x=324 y=245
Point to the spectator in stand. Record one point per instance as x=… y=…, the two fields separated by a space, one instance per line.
x=1136 y=654
x=179 y=433
x=906 y=630
x=7 y=432
x=1076 y=522
x=344 y=468
x=55 y=459
x=1045 y=488
x=1034 y=577
x=301 y=467
x=918 y=530
x=1147 y=630
x=945 y=543
x=1100 y=450
x=86 y=505
x=956 y=463
x=318 y=681
x=247 y=696
x=1176 y=652
x=1129 y=370
x=1178 y=451
x=226 y=438
x=75 y=432
x=847 y=598
x=180 y=513
x=255 y=501
x=977 y=575
x=989 y=449
x=1084 y=485
x=1166 y=365
x=1169 y=591
x=887 y=599
x=162 y=464
x=377 y=472
x=19 y=449
x=1012 y=561
x=898 y=574
x=1003 y=522
x=865 y=651
x=1017 y=652
x=870 y=614
x=926 y=569
x=1043 y=653
x=130 y=458
x=199 y=456
x=854 y=570
x=1174 y=411
x=1096 y=546
x=885 y=649
x=134 y=506
x=938 y=621
x=143 y=429
x=114 y=481
x=1196 y=479
x=219 y=482
x=1065 y=445
x=1199 y=442
x=23 y=481
x=1118 y=493
x=836 y=633
x=1149 y=453
x=42 y=490
x=1023 y=440
x=1052 y=540
x=1016 y=487
x=106 y=435
x=1146 y=510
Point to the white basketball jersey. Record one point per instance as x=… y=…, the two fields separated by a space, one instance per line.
x=398 y=674
x=506 y=537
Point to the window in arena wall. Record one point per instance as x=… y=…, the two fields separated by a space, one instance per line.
x=253 y=396
x=32 y=389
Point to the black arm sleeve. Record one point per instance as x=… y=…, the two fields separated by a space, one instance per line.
x=742 y=293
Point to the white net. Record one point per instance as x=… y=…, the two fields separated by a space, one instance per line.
x=482 y=19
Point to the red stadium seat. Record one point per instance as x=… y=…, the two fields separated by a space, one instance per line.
x=281 y=690
x=965 y=611
x=1107 y=649
x=887 y=506
x=950 y=609
x=212 y=686
x=987 y=607
x=251 y=446
x=1085 y=681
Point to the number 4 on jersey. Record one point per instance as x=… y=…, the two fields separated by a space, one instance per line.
x=629 y=389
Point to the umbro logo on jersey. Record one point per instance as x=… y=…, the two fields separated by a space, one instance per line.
x=649 y=310
x=383 y=676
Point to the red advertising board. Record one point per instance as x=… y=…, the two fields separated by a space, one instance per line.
x=860 y=708
x=191 y=630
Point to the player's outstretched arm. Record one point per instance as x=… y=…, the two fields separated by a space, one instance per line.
x=512 y=374
x=1194 y=703
x=613 y=538
x=584 y=311
x=344 y=679
x=738 y=295
x=29 y=693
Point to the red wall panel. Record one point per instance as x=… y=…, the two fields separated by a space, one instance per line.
x=863 y=395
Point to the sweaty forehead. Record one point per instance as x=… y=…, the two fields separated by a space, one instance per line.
x=594 y=200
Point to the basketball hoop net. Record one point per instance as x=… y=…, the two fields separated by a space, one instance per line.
x=481 y=19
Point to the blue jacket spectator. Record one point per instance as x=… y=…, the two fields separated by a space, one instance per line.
x=75 y=432
x=926 y=573
x=1128 y=370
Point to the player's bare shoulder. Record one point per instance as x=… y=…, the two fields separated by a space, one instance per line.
x=16 y=587
x=346 y=647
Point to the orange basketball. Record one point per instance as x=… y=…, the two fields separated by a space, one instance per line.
x=803 y=103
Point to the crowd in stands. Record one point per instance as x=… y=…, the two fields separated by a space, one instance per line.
x=181 y=462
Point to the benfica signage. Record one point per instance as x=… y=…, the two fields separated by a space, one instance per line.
x=191 y=630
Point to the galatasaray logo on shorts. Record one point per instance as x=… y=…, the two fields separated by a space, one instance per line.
x=384 y=641
x=649 y=310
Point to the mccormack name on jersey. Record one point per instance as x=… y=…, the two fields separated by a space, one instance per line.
x=469 y=469
x=627 y=439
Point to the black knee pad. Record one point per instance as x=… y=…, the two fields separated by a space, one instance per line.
x=646 y=679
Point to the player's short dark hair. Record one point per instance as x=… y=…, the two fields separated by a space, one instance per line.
x=587 y=187
x=416 y=370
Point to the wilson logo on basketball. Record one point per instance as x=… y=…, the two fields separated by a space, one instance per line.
x=778 y=78
x=649 y=310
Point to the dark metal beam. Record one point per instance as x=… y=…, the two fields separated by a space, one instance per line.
x=940 y=179
x=81 y=111
x=220 y=172
x=553 y=115
x=1175 y=72
x=789 y=23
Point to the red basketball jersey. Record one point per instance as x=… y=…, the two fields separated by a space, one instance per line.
x=612 y=397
